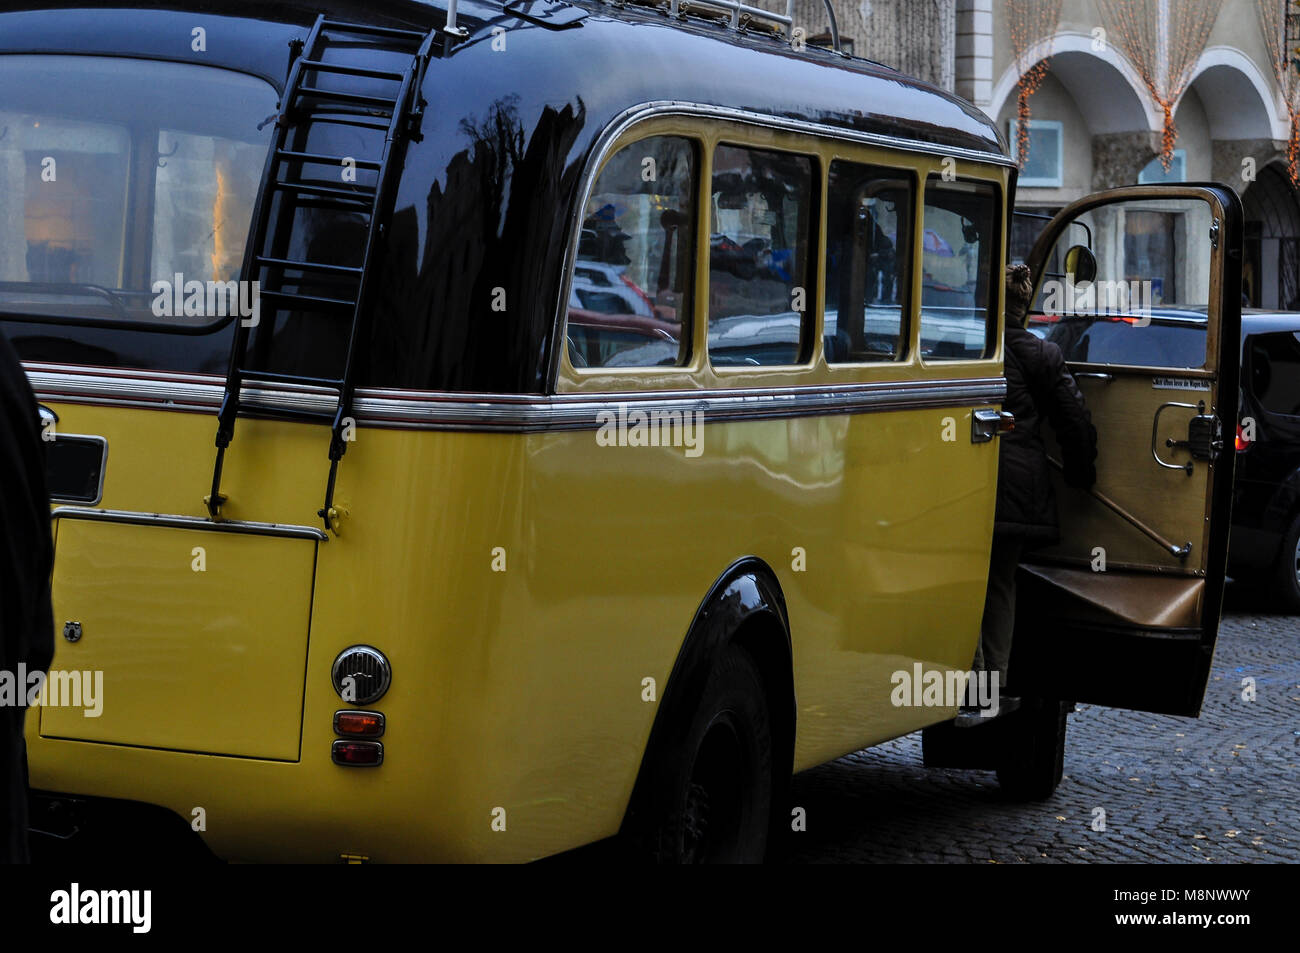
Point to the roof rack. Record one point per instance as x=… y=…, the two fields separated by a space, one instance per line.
x=742 y=14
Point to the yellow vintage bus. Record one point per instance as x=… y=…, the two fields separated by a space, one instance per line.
x=605 y=403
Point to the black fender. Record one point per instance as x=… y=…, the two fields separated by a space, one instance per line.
x=745 y=605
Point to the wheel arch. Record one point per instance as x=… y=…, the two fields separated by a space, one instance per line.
x=745 y=606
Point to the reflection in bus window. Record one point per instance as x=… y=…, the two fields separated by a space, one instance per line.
x=1146 y=306
x=869 y=215
x=203 y=193
x=111 y=180
x=958 y=249
x=1174 y=340
x=629 y=299
x=1151 y=253
x=758 y=256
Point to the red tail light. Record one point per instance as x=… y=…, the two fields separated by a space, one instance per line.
x=358 y=753
x=1242 y=443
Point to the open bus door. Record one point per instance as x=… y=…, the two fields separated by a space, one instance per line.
x=1141 y=289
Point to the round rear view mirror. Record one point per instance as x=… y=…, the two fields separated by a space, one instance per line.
x=1081 y=263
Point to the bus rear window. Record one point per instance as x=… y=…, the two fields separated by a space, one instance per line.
x=122 y=179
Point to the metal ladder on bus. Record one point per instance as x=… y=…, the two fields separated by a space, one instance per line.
x=302 y=106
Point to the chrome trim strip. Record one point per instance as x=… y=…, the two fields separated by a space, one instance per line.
x=189 y=522
x=526 y=413
x=660 y=108
x=103 y=463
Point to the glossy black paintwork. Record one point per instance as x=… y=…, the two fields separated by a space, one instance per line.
x=485 y=196
x=745 y=605
x=1267 y=498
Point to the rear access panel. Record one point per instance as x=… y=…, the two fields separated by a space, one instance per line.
x=200 y=636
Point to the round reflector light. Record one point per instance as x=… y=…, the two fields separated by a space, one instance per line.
x=361 y=674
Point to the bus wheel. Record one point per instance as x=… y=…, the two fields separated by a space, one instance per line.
x=718 y=794
x=1033 y=758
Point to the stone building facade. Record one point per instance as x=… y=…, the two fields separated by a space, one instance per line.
x=1101 y=126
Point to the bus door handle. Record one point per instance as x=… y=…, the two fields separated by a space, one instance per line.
x=1204 y=437
x=988 y=423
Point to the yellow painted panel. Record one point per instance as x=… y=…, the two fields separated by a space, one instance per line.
x=522 y=689
x=1170 y=502
x=200 y=636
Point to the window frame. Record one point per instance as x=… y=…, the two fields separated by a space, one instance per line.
x=139 y=219
x=1179 y=157
x=997 y=252
x=1050 y=125
x=688 y=359
x=813 y=226
x=1254 y=343
x=823 y=146
x=910 y=314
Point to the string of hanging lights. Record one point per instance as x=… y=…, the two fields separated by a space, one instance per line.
x=1031 y=21
x=1163 y=39
x=1280 y=23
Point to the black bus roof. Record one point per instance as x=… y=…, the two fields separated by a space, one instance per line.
x=692 y=59
x=486 y=192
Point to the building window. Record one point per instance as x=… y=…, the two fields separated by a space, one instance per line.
x=1045 y=166
x=1155 y=174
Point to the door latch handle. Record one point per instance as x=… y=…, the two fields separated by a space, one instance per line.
x=988 y=423
x=1204 y=437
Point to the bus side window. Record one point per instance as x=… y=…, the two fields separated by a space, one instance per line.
x=758 y=257
x=958 y=247
x=868 y=263
x=629 y=300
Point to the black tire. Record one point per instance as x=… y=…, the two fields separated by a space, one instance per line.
x=716 y=795
x=1033 y=759
x=1287 y=580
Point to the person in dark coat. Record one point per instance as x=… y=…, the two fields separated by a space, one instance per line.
x=26 y=560
x=1039 y=388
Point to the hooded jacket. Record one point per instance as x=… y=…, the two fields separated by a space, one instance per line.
x=1040 y=389
x=26 y=559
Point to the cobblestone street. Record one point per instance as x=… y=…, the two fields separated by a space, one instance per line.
x=1219 y=789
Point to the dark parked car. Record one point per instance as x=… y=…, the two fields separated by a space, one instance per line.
x=1264 y=551
x=1265 y=546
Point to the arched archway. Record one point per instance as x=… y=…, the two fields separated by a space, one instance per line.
x=1271 y=269
x=1104 y=84
x=1237 y=97
x=1114 y=116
